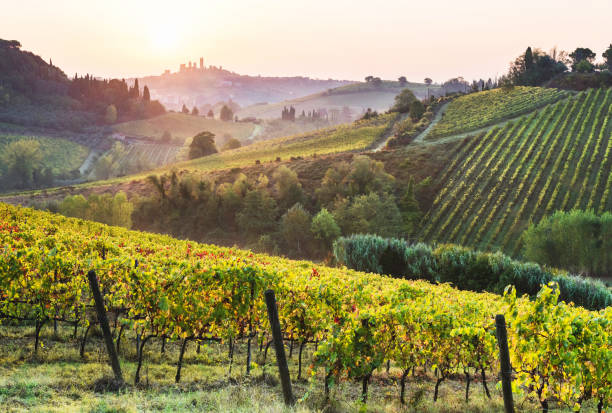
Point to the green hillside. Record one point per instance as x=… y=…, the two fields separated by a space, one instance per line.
x=557 y=158
x=343 y=138
x=477 y=110
x=61 y=155
x=183 y=126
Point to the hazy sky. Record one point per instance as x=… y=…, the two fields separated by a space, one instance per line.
x=318 y=38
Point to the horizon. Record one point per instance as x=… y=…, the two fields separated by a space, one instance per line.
x=280 y=40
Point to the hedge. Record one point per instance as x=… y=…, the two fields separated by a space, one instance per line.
x=465 y=268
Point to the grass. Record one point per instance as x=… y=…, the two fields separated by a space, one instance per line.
x=183 y=126
x=59 y=154
x=58 y=380
x=480 y=109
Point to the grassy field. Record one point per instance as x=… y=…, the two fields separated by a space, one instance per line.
x=558 y=158
x=343 y=138
x=59 y=380
x=183 y=126
x=476 y=110
x=61 y=155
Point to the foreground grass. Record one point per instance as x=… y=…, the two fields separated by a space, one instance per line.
x=58 y=380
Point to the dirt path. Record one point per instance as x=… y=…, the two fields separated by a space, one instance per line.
x=388 y=134
x=88 y=162
x=256 y=132
x=469 y=133
x=433 y=122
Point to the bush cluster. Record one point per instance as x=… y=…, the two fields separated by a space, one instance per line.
x=465 y=268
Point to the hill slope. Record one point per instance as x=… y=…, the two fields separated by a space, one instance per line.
x=183 y=126
x=480 y=109
x=209 y=85
x=356 y=97
x=554 y=159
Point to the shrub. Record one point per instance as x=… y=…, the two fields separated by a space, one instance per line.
x=465 y=268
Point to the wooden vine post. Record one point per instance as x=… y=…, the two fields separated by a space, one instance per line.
x=277 y=338
x=504 y=361
x=108 y=338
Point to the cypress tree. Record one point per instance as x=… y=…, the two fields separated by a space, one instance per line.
x=528 y=59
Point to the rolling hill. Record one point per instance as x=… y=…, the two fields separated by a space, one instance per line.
x=556 y=158
x=198 y=86
x=356 y=97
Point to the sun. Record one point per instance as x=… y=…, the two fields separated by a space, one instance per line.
x=163 y=38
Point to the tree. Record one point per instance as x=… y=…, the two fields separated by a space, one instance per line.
x=607 y=55
x=146 y=96
x=295 y=228
x=325 y=228
x=110 y=116
x=108 y=209
x=166 y=137
x=578 y=241
x=402 y=80
x=232 y=143
x=368 y=79
x=134 y=90
x=185 y=109
x=377 y=82
x=584 y=66
x=369 y=214
x=21 y=160
x=416 y=110
x=195 y=111
x=403 y=101
x=533 y=68
x=288 y=187
x=428 y=81
x=258 y=214
x=580 y=54
x=226 y=114
x=203 y=144
x=210 y=114
x=528 y=59
x=367 y=175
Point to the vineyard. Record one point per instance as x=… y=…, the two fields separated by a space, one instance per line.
x=154 y=155
x=477 y=110
x=355 y=324
x=183 y=126
x=557 y=158
x=61 y=155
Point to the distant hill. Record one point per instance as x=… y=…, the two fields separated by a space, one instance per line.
x=209 y=85
x=357 y=97
x=35 y=93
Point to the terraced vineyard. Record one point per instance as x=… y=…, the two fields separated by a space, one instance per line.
x=477 y=110
x=154 y=154
x=554 y=159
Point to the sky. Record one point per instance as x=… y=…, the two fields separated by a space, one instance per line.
x=340 y=39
